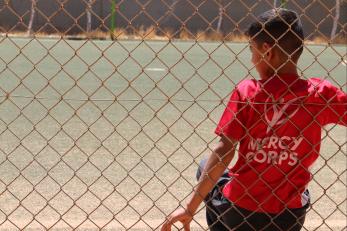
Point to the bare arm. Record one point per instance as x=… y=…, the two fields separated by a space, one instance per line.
x=214 y=168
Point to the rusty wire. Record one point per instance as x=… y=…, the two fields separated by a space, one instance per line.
x=106 y=140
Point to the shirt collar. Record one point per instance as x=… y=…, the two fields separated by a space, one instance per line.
x=284 y=78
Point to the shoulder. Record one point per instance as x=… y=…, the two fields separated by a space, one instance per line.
x=322 y=86
x=318 y=82
x=248 y=88
x=324 y=89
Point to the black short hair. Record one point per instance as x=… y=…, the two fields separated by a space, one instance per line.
x=279 y=26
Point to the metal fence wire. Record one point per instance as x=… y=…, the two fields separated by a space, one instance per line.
x=108 y=106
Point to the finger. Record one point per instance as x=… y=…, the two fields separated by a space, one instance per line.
x=166 y=226
x=187 y=227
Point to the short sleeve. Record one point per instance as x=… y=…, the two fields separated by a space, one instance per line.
x=231 y=123
x=335 y=109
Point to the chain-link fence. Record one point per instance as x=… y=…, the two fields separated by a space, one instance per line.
x=107 y=107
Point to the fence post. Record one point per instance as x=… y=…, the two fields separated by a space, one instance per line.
x=32 y=17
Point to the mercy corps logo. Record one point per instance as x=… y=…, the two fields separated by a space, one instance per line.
x=280 y=115
x=281 y=149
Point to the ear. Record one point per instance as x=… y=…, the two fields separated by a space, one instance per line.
x=268 y=51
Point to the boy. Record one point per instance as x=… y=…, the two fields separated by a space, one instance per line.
x=277 y=122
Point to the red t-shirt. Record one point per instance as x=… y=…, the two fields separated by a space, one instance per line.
x=278 y=123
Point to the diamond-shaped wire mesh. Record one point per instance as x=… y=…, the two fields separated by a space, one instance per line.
x=108 y=106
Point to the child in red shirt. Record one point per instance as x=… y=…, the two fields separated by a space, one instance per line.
x=277 y=122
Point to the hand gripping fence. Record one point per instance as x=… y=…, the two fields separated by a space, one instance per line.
x=108 y=106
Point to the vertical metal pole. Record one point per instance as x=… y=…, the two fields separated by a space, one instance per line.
x=220 y=16
x=336 y=20
x=113 y=19
x=32 y=17
x=89 y=16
